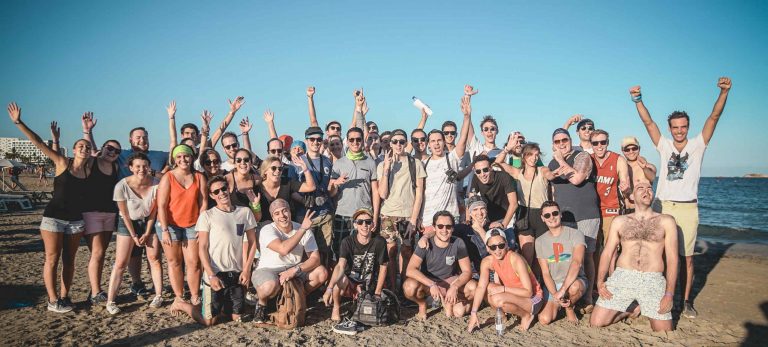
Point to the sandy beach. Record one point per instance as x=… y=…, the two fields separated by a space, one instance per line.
x=730 y=292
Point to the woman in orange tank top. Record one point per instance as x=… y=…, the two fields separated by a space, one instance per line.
x=517 y=293
x=180 y=200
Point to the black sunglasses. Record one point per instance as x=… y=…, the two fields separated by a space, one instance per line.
x=240 y=160
x=444 y=226
x=586 y=127
x=355 y=139
x=631 y=149
x=419 y=139
x=113 y=149
x=222 y=189
x=499 y=246
x=553 y=214
x=449 y=133
x=232 y=145
x=603 y=142
x=314 y=139
x=489 y=129
x=485 y=169
x=398 y=142
x=276 y=168
x=564 y=140
x=364 y=221
x=211 y=162
x=276 y=151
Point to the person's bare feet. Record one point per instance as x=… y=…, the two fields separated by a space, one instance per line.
x=525 y=322
x=570 y=315
x=635 y=313
x=175 y=308
x=335 y=315
x=421 y=315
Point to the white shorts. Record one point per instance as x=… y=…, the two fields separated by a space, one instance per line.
x=627 y=286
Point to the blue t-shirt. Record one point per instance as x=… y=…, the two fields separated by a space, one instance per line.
x=158 y=160
x=321 y=169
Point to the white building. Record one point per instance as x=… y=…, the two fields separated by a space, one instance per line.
x=25 y=148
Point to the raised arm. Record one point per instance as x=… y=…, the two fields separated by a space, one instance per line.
x=204 y=130
x=309 y=180
x=645 y=116
x=649 y=170
x=245 y=128
x=88 y=124
x=422 y=123
x=572 y=120
x=234 y=106
x=14 y=112
x=269 y=118
x=55 y=136
x=283 y=247
x=357 y=113
x=622 y=169
x=466 y=110
x=311 y=104
x=171 y=109
x=724 y=83
x=469 y=91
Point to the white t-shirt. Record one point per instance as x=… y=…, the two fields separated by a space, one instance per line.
x=680 y=171
x=226 y=231
x=138 y=207
x=227 y=166
x=439 y=194
x=271 y=259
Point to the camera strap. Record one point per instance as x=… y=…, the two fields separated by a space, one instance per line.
x=447 y=162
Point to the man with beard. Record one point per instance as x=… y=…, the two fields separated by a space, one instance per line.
x=679 y=179
x=139 y=140
x=648 y=242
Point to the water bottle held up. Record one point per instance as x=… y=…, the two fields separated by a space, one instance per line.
x=421 y=105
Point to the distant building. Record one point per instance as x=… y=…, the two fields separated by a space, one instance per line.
x=25 y=148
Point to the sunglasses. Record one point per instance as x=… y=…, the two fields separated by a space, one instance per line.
x=314 y=139
x=364 y=221
x=113 y=149
x=560 y=141
x=602 y=143
x=335 y=128
x=276 y=168
x=449 y=133
x=553 y=214
x=240 y=160
x=232 y=146
x=444 y=226
x=211 y=162
x=483 y=170
x=419 y=139
x=354 y=139
x=499 y=246
x=398 y=142
x=631 y=149
x=276 y=151
x=220 y=190
x=489 y=129
x=587 y=128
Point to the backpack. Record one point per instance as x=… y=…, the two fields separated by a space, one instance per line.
x=291 y=306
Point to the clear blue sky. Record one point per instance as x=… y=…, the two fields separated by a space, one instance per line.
x=534 y=64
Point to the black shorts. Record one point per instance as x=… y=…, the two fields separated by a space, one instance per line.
x=228 y=300
x=536 y=226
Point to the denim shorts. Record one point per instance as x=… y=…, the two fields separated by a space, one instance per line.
x=62 y=226
x=177 y=233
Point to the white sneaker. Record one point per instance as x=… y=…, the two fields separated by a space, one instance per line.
x=59 y=306
x=112 y=308
x=157 y=302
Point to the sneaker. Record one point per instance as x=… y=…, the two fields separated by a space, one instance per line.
x=98 y=299
x=251 y=298
x=112 y=308
x=260 y=314
x=348 y=327
x=689 y=311
x=157 y=302
x=59 y=306
x=66 y=301
x=140 y=291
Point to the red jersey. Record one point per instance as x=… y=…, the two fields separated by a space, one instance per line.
x=607 y=184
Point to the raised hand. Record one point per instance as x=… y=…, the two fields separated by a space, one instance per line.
x=14 y=111
x=253 y=197
x=269 y=116
x=359 y=98
x=512 y=141
x=341 y=180
x=298 y=162
x=307 y=222
x=234 y=106
x=171 y=109
x=206 y=116
x=642 y=162
x=724 y=83
x=245 y=125
x=55 y=131
x=310 y=91
x=466 y=105
x=575 y=119
x=364 y=108
x=470 y=90
x=88 y=122
x=635 y=91
x=388 y=159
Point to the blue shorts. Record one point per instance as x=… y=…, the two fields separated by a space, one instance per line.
x=177 y=233
x=549 y=295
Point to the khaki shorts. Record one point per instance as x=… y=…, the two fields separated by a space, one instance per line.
x=605 y=228
x=322 y=230
x=687 y=218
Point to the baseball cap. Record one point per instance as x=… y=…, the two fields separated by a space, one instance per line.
x=313 y=131
x=629 y=140
x=494 y=232
x=362 y=211
x=584 y=122
x=278 y=204
x=287 y=142
x=560 y=131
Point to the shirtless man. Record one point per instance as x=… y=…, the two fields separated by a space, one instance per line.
x=646 y=237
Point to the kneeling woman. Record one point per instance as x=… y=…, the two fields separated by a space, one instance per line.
x=518 y=293
x=180 y=200
x=135 y=197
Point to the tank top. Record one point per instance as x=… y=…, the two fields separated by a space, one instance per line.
x=509 y=278
x=100 y=190
x=607 y=184
x=238 y=198
x=183 y=203
x=537 y=192
x=67 y=202
x=577 y=202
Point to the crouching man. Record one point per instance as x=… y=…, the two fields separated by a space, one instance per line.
x=283 y=243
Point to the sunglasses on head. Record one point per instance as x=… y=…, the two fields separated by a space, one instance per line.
x=499 y=246
x=211 y=162
x=364 y=221
x=483 y=170
x=449 y=133
x=602 y=142
x=232 y=146
x=560 y=141
x=398 y=142
x=222 y=189
x=587 y=128
x=553 y=214
x=419 y=139
x=276 y=151
x=489 y=128
x=631 y=149
x=240 y=160
x=444 y=226
x=113 y=149
x=314 y=139
x=354 y=139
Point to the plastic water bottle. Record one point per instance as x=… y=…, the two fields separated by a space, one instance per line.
x=499 y=322
x=435 y=303
x=421 y=105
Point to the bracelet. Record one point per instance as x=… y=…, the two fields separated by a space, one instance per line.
x=669 y=294
x=17 y=122
x=86 y=132
x=55 y=142
x=473 y=311
x=329 y=290
x=243 y=134
x=637 y=98
x=433 y=284
x=255 y=207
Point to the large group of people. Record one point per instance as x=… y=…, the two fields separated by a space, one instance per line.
x=447 y=220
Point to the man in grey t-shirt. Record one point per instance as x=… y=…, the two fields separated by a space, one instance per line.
x=560 y=252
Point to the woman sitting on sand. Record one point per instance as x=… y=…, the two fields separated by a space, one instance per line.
x=519 y=293
x=135 y=197
x=62 y=224
x=180 y=200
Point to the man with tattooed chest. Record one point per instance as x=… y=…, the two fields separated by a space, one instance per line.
x=646 y=239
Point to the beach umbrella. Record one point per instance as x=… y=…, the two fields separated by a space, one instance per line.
x=11 y=163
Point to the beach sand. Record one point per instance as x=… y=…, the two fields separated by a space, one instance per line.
x=730 y=295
